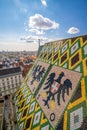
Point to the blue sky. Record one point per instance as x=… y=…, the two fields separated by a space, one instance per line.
x=23 y=22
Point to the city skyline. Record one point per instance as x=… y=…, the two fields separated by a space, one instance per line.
x=23 y=22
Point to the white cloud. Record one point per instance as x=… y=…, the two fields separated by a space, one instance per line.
x=73 y=30
x=37 y=31
x=34 y=39
x=39 y=22
x=44 y=3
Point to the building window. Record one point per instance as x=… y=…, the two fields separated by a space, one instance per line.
x=8 y=82
x=7 y=79
x=4 y=87
x=13 y=86
x=16 y=84
x=2 y=80
x=16 y=80
x=19 y=80
x=3 y=84
x=11 y=81
x=8 y=87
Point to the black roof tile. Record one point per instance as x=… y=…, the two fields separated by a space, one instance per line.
x=8 y=71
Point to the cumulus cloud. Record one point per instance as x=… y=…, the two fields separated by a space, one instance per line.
x=73 y=30
x=34 y=39
x=37 y=31
x=39 y=22
x=44 y=3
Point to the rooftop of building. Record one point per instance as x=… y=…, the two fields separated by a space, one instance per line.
x=69 y=58
x=7 y=71
x=84 y=37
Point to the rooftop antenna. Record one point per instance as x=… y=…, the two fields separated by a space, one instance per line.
x=38 y=46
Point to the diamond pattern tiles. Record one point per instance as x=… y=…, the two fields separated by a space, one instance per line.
x=30 y=115
x=76 y=118
x=70 y=54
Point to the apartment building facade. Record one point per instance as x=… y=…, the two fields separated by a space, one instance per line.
x=10 y=80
